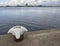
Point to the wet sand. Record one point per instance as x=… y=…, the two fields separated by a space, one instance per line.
x=33 y=38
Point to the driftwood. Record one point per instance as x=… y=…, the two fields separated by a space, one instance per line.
x=37 y=38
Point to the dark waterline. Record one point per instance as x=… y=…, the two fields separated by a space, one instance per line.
x=33 y=18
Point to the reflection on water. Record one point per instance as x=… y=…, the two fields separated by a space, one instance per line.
x=33 y=18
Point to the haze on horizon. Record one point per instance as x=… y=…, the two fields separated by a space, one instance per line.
x=30 y=2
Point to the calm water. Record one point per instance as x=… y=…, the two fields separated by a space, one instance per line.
x=33 y=18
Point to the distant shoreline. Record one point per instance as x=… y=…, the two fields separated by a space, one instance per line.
x=29 y=6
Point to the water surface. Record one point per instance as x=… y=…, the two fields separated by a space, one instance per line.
x=33 y=18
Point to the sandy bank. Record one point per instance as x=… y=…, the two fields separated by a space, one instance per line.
x=37 y=38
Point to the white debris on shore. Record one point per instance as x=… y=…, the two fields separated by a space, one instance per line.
x=17 y=31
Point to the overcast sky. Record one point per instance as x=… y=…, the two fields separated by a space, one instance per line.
x=15 y=2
